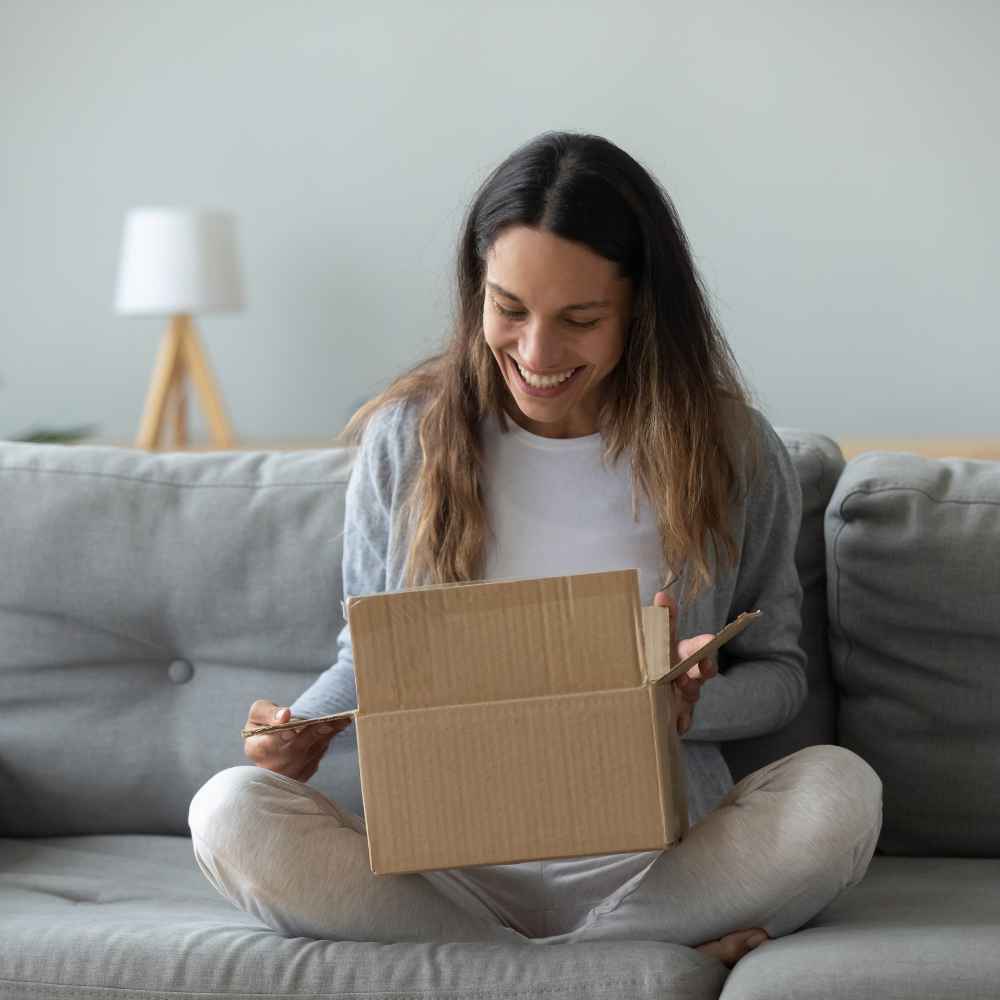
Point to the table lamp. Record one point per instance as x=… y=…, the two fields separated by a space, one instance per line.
x=178 y=262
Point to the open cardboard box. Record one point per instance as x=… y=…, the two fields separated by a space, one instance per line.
x=513 y=720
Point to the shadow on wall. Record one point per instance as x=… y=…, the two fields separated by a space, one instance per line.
x=56 y=435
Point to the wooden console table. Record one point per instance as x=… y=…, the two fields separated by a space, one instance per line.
x=304 y=444
x=966 y=447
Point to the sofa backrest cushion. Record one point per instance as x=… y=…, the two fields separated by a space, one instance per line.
x=818 y=461
x=913 y=567
x=146 y=600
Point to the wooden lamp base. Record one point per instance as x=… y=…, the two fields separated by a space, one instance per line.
x=181 y=355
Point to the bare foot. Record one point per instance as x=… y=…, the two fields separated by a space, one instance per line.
x=731 y=948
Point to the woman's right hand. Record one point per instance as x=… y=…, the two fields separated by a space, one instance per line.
x=687 y=687
x=295 y=753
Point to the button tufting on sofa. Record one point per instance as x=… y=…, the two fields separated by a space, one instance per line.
x=180 y=671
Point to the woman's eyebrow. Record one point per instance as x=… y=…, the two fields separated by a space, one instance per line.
x=578 y=305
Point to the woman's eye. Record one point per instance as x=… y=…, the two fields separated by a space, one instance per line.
x=509 y=313
x=515 y=314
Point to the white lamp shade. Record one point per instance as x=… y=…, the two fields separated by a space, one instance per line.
x=176 y=260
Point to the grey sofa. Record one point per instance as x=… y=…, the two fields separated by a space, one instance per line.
x=147 y=599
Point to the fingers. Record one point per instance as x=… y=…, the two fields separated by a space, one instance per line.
x=285 y=715
x=313 y=753
x=264 y=712
x=685 y=716
x=687 y=691
x=306 y=763
x=310 y=739
x=292 y=757
x=687 y=686
x=289 y=751
x=709 y=668
x=703 y=669
x=316 y=739
x=690 y=692
x=261 y=712
x=259 y=749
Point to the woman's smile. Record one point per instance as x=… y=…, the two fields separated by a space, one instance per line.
x=543 y=386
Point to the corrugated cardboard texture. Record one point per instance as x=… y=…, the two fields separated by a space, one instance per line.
x=559 y=776
x=496 y=640
x=670 y=764
x=673 y=791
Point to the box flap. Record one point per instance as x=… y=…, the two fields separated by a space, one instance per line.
x=656 y=639
x=456 y=644
x=720 y=638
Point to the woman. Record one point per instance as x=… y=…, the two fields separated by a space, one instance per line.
x=586 y=415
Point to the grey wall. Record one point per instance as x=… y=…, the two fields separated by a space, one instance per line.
x=834 y=166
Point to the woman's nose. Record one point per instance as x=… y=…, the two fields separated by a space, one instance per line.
x=537 y=348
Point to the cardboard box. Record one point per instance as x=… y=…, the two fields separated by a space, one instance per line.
x=507 y=721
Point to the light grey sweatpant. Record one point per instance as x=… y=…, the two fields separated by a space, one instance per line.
x=778 y=849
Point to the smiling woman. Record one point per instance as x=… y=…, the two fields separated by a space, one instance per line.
x=579 y=312
x=582 y=337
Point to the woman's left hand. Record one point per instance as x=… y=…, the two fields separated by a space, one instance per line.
x=687 y=687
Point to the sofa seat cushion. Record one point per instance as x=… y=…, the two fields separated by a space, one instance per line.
x=913 y=927
x=95 y=915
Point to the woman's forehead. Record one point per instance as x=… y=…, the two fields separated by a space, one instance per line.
x=530 y=264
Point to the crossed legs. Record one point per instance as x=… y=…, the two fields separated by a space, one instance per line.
x=778 y=849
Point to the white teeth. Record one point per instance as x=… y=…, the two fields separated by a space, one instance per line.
x=543 y=381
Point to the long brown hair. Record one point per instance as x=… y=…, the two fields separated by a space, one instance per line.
x=676 y=398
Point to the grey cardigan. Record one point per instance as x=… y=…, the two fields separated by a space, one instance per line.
x=761 y=683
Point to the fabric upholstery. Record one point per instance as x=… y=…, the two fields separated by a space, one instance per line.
x=91 y=916
x=146 y=601
x=914 y=927
x=913 y=569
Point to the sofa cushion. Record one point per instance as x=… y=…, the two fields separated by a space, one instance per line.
x=818 y=461
x=94 y=915
x=913 y=569
x=146 y=601
x=913 y=927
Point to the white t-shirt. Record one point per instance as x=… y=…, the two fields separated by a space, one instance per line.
x=555 y=509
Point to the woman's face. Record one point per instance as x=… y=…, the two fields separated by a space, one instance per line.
x=553 y=307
